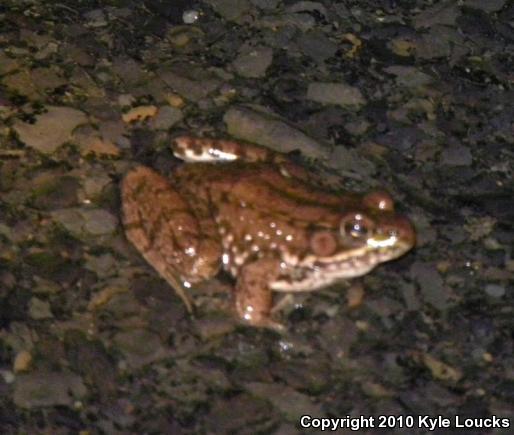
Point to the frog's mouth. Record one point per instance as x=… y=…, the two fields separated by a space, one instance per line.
x=314 y=272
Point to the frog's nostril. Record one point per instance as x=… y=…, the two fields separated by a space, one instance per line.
x=392 y=233
x=405 y=231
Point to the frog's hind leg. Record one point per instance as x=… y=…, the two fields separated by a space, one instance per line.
x=160 y=224
x=196 y=149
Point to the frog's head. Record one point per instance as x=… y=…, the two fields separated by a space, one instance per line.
x=370 y=232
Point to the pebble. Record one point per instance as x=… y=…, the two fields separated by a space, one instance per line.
x=285 y=399
x=408 y=76
x=252 y=62
x=316 y=45
x=268 y=130
x=190 y=16
x=86 y=222
x=431 y=284
x=99 y=222
x=51 y=129
x=336 y=93
x=39 y=309
x=495 y=290
x=441 y=13
x=22 y=361
x=308 y=6
x=166 y=118
x=266 y=4
x=486 y=6
x=190 y=82
x=47 y=388
x=103 y=265
x=456 y=155
x=7 y=65
x=139 y=346
x=231 y=10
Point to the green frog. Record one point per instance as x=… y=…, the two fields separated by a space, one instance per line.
x=259 y=216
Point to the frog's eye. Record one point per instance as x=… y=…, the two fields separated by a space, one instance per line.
x=356 y=226
x=323 y=243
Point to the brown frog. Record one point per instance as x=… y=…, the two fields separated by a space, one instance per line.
x=256 y=214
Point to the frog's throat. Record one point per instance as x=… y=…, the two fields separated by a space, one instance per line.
x=312 y=272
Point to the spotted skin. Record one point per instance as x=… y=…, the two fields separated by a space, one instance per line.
x=256 y=214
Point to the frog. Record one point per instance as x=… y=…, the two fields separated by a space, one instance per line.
x=260 y=216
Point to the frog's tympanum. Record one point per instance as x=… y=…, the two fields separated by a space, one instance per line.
x=256 y=214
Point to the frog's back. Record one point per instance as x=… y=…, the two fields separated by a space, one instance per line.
x=260 y=186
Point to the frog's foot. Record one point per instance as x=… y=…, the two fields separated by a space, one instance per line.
x=196 y=149
x=252 y=317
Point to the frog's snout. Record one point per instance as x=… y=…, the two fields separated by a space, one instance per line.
x=402 y=229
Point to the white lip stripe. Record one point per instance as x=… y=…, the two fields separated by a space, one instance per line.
x=391 y=241
x=320 y=278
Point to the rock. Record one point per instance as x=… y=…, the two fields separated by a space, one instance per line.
x=99 y=222
x=39 y=309
x=166 y=118
x=439 y=42
x=22 y=83
x=409 y=76
x=190 y=16
x=96 y=18
x=336 y=93
x=268 y=130
x=210 y=328
x=252 y=62
x=285 y=399
x=103 y=265
x=53 y=191
x=431 y=284
x=140 y=347
x=265 y=4
x=22 y=361
x=139 y=113
x=308 y=6
x=48 y=78
x=441 y=370
x=442 y=13
x=86 y=222
x=246 y=411
x=89 y=141
x=51 y=129
x=7 y=65
x=95 y=184
x=45 y=388
x=231 y=10
x=456 y=155
x=495 y=290
x=191 y=82
x=316 y=45
x=128 y=70
x=486 y=6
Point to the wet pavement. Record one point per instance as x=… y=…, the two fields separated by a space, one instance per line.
x=410 y=96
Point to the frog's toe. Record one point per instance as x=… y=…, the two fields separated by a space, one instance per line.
x=265 y=322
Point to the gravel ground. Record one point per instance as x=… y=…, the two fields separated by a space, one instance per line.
x=413 y=96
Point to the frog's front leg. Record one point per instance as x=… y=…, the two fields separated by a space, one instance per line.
x=254 y=299
x=164 y=229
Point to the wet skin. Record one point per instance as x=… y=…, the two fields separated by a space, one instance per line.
x=254 y=213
